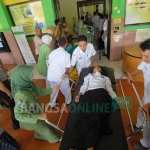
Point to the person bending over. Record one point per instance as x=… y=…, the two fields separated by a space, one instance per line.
x=27 y=108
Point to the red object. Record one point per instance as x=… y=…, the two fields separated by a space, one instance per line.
x=143 y=7
x=137 y=3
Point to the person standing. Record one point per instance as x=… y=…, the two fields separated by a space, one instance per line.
x=59 y=63
x=144 y=67
x=60 y=31
x=96 y=25
x=146 y=108
x=43 y=55
x=100 y=41
x=38 y=41
x=105 y=29
x=87 y=17
x=79 y=26
x=84 y=31
x=83 y=55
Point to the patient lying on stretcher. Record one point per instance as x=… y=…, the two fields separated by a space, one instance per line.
x=93 y=122
x=95 y=81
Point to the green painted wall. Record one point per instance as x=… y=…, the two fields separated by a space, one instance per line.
x=5 y=20
x=121 y=4
x=129 y=28
x=49 y=12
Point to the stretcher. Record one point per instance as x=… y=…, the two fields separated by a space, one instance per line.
x=115 y=117
x=117 y=139
x=56 y=126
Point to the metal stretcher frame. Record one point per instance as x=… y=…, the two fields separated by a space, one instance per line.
x=50 y=123
x=137 y=95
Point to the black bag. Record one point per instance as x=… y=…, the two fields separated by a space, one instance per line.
x=7 y=142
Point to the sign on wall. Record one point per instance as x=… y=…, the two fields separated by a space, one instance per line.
x=23 y=44
x=29 y=15
x=137 y=11
x=142 y=34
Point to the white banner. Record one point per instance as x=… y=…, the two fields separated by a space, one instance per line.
x=23 y=44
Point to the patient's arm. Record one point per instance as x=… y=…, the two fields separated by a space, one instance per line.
x=84 y=87
x=78 y=97
x=109 y=88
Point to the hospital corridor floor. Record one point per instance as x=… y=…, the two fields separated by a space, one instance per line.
x=26 y=139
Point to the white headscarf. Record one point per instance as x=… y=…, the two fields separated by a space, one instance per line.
x=46 y=39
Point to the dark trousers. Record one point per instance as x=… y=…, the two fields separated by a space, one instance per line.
x=101 y=42
x=11 y=104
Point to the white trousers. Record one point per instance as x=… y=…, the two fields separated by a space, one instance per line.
x=145 y=141
x=64 y=88
x=105 y=44
x=47 y=84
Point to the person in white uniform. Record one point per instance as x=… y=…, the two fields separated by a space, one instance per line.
x=96 y=90
x=58 y=64
x=79 y=26
x=144 y=67
x=105 y=29
x=95 y=21
x=95 y=81
x=83 y=55
x=146 y=108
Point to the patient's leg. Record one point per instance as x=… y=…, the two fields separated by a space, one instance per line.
x=90 y=148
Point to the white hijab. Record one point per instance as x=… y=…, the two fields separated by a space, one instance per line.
x=46 y=39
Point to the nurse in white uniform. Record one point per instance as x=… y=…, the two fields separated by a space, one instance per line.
x=83 y=55
x=59 y=63
x=145 y=68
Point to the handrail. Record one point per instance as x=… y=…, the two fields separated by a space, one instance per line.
x=144 y=115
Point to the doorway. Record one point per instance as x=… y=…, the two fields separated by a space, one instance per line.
x=72 y=10
x=90 y=7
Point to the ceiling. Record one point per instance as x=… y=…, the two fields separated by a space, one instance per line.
x=89 y=2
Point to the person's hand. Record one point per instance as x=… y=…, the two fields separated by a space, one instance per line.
x=77 y=98
x=65 y=76
x=9 y=94
x=42 y=116
x=64 y=25
x=130 y=79
x=58 y=26
x=56 y=88
x=91 y=65
x=146 y=108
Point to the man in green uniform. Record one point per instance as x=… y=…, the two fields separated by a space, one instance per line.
x=27 y=110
